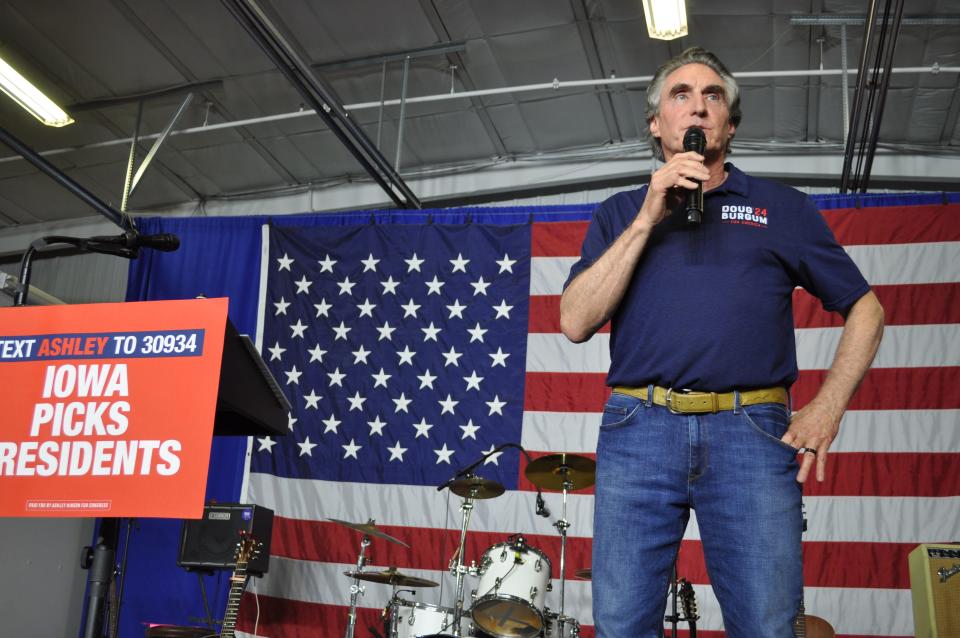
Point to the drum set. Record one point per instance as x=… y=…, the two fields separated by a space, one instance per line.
x=513 y=577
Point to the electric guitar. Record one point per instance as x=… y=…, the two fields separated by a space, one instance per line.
x=246 y=549
x=688 y=600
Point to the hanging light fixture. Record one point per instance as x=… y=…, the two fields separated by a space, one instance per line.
x=30 y=97
x=666 y=19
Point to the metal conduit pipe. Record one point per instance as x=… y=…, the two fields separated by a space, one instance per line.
x=555 y=85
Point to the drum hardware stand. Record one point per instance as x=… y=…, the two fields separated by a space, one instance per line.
x=459 y=569
x=562 y=526
x=356 y=589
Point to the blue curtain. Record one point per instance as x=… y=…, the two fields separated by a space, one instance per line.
x=220 y=257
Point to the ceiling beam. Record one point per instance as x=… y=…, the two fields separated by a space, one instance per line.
x=322 y=99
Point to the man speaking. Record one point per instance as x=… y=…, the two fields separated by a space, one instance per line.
x=702 y=358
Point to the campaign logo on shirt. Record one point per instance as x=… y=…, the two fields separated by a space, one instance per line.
x=744 y=214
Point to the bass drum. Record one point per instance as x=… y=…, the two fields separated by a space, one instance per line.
x=514 y=580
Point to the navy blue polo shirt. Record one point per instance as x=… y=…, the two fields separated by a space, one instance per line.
x=709 y=307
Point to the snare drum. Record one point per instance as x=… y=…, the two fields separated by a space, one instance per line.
x=571 y=627
x=514 y=580
x=417 y=620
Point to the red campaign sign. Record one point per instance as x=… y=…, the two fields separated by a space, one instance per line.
x=109 y=408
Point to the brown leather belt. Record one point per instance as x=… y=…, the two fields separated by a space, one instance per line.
x=702 y=402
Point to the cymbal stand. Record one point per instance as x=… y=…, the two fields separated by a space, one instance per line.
x=356 y=589
x=562 y=526
x=459 y=569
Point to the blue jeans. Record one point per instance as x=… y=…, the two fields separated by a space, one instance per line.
x=653 y=466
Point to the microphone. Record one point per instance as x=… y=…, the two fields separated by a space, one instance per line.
x=695 y=140
x=133 y=240
x=541 y=505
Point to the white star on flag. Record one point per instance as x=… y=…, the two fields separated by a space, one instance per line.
x=376 y=426
x=306 y=447
x=276 y=351
x=356 y=401
x=469 y=430
x=370 y=263
x=285 y=262
x=316 y=353
x=506 y=264
x=281 y=306
x=351 y=449
x=499 y=358
x=326 y=265
x=303 y=285
x=380 y=379
x=402 y=403
x=410 y=310
x=503 y=310
x=312 y=399
x=426 y=379
x=360 y=354
x=430 y=333
x=443 y=454
x=423 y=428
x=396 y=452
x=336 y=377
x=480 y=287
x=298 y=329
x=390 y=286
x=460 y=263
x=452 y=357
x=496 y=406
x=293 y=375
x=473 y=381
x=456 y=310
x=267 y=444
x=322 y=308
x=447 y=405
x=332 y=424
x=366 y=308
x=346 y=286
x=414 y=263
x=434 y=286
x=476 y=333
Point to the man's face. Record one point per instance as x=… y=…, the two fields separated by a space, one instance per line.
x=693 y=95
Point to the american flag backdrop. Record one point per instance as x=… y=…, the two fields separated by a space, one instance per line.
x=408 y=351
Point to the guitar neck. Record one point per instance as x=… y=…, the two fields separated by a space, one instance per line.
x=238 y=582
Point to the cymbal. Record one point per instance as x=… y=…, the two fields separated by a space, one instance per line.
x=392 y=577
x=585 y=574
x=476 y=487
x=370 y=529
x=550 y=472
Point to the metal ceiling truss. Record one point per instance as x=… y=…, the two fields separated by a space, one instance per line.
x=870 y=95
x=322 y=99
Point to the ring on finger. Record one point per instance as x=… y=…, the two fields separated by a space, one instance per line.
x=808 y=450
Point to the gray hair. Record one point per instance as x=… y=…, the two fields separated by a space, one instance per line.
x=693 y=55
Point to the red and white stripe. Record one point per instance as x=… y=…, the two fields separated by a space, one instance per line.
x=893 y=479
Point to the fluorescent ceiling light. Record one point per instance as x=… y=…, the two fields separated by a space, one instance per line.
x=31 y=98
x=666 y=19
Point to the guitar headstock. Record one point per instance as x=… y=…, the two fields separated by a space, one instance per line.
x=247 y=548
x=688 y=599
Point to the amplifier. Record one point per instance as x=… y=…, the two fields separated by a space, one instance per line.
x=211 y=542
x=935 y=584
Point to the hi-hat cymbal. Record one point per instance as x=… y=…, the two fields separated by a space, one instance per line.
x=476 y=487
x=392 y=577
x=369 y=528
x=551 y=471
x=585 y=574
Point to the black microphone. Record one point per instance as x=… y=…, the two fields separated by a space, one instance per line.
x=695 y=140
x=134 y=240
x=541 y=505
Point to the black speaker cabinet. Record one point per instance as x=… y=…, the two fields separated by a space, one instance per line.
x=211 y=542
